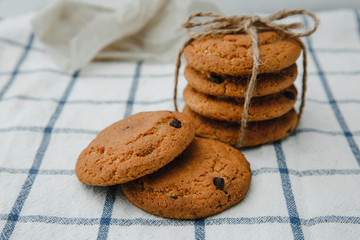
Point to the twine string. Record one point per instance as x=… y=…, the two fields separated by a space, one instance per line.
x=251 y=25
x=252 y=83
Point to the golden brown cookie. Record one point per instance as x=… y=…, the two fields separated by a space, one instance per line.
x=207 y=178
x=236 y=86
x=133 y=147
x=232 y=54
x=256 y=133
x=231 y=109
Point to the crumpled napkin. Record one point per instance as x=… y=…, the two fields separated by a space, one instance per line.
x=76 y=32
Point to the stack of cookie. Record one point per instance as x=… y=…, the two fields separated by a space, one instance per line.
x=218 y=71
x=163 y=169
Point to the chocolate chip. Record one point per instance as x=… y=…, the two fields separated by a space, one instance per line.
x=174 y=197
x=289 y=95
x=175 y=123
x=216 y=78
x=219 y=183
x=288 y=131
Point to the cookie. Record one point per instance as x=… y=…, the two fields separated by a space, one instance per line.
x=236 y=86
x=256 y=133
x=207 y=178
x=232 y=54
x=133 y=147
x=231 y=109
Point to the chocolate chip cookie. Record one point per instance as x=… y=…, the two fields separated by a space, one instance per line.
x=231 y=109
x=232 y=54
x=256 y=133
x=236 y=86
x=207 y=178
x=133 y=147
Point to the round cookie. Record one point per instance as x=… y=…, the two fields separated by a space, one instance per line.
x=232 y=54
x=133 y=147
x=236 y=86
x=256 y=133
x=231 y=109
x=207 y=178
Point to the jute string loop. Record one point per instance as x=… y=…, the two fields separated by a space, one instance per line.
x=250 y=25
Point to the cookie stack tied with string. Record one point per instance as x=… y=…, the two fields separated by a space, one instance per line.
x=240 y=72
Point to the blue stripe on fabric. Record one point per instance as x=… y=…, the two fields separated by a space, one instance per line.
x=342 y=101
x=98 y=102
x=134 y=86
x=105 y=220
x=304 y=173
x=40 y=70
x=22 y=129
x=125 y=76
x=111 y=193
x=247 y=220
x=103 y=76
x=75 y=130
x=39 y=172
x=165 y=75
x=330 y=50
x=150 y=222
x=348 y=73
x=108 y=102
x=200 y=229
x=95 y=132
x=54 y=130
x=308 y=173
x=333 y=103
x=358 y=21
x=288 y=194
x=167 y=222
x=331 y=133
x=30 y=98
x=26 y=188
x=17 y=67
x=96 y=221
x=17 y=44
x=280 y=219
x=331 y=219
x=54 y=220
x=159 y=101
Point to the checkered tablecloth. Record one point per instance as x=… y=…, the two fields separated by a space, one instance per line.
x=304 y=187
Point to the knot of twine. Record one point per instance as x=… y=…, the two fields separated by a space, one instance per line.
x=250 y=25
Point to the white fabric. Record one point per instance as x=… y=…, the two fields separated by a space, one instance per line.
x=76 y=32
x=305 y=187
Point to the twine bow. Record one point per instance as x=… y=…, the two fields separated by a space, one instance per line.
x=250 y=25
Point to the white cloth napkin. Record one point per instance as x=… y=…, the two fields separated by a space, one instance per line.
x=75 y=32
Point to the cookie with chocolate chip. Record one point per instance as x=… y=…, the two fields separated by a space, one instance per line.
x=236 y=86
x=256 y=133
x=232 y=54
x=231 y=109
x=207 y=178
x=133 y=147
